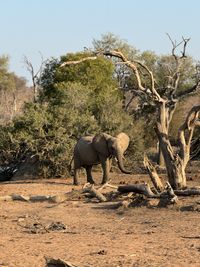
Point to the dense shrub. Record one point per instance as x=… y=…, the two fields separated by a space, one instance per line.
x=65 y=111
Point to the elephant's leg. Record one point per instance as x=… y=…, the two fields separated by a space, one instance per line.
x=110 y=164
x=77 y=167
x=89 y=174
x=106 y=170
x=76 y=176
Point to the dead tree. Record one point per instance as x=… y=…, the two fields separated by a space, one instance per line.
x=167 y=103
x=175 y=163
x=35 y=75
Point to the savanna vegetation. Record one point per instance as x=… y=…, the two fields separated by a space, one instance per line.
x=95 y=95
x=111 y=87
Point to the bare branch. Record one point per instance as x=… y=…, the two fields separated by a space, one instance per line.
x=133 y=66
x=188 y=91
x=175 y=45
x=153 y=174
x=35 y=76
x=193 y=117
x=185 y=41
x=127 y=63
x=150 y=73
x=175 y=77
x=38 y=73
x=130 y=64
x=29 y=67
x=74 y=62
x=186 y=131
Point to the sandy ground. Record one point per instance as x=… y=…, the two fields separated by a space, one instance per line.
x=92 y=234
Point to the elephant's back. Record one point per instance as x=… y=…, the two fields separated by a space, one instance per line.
x=84 y=142
x=84 y=149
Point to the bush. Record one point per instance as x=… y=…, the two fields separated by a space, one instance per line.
x=73 y=102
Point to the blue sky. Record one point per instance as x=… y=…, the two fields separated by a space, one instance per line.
x=55 y=27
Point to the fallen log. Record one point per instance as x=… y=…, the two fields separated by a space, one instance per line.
x=146 y=190
x=143 y=189
x=167 y=197
x=96 y=193
x=107 y=185
x=194 y=191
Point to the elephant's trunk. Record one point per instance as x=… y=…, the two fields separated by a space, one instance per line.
x=121 y=164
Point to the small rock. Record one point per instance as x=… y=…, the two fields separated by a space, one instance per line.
x=102 y=252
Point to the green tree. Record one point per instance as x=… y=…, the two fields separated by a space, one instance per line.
x=104 y=100
x=49 y=131
x=75 y=100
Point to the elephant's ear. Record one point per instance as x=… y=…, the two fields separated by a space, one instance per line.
x=123 y=140
x=100 y=145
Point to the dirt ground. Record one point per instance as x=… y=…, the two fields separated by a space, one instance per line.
x=92 y=234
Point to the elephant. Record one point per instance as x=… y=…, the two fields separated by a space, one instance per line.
x=92 y=150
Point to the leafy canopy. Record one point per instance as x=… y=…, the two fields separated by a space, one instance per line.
x=75 y=100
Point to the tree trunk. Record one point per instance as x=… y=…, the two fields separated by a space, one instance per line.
x=175 y=166
x=161 y=161
x=176 y=174
x=176 y=163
